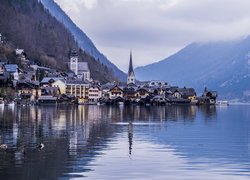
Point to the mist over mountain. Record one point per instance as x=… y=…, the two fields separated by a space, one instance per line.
x=81 y=38
x=221 y=66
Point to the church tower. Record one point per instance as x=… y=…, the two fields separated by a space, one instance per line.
x=131 y=74
x=74 y=62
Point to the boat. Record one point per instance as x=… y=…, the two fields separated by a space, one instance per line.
x=222 y=103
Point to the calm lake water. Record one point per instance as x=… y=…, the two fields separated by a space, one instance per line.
x=102 y=142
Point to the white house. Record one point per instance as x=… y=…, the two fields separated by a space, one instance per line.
x=61 y=84
x=95 y=93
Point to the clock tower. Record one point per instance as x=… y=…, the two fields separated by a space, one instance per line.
x=74 y=62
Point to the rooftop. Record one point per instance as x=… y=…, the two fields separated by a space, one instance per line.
x=11 y=67
x=83 y=66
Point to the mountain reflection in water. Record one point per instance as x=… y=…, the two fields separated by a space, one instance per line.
x=108 y=142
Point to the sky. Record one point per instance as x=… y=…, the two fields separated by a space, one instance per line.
x=156 y=29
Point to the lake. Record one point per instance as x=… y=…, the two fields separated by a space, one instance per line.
x=125 y=142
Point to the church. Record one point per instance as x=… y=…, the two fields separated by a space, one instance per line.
x=81 y=69
x=131 y=73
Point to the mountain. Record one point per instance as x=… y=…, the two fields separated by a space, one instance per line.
x=221 y=66
x=26 y=24
x=81 y=38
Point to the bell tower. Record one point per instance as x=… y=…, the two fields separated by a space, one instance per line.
x=74 y=62
x=131 y=73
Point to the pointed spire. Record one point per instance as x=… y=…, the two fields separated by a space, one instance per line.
x=130 y=70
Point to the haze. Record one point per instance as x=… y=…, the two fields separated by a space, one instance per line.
x=155 y=29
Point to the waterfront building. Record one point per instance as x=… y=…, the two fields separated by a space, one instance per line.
x=95 y=93
x=28 y=91
x=61 y=84
x=142 y=93
x=105 y=89
x=116 y=92
x=78 y=88
x=49 y=95
x=129 y=92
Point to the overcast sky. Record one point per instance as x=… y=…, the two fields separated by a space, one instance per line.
x=155 y=29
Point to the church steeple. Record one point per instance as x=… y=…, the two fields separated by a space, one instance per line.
x=74 y=62
x=131 y=74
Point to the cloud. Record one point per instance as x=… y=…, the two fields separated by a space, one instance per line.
x=156 y=28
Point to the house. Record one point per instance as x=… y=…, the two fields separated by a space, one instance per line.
x=176 y=94
x=129 y=92
x=181 y=95
x=142 y=93
x=28 y=91
x=13 y=71
x=116 y=92
x=49 y=95
x=48 y=81
x=61 y=84
x=95 y=93
x=188 y=93
x=208 y=97
x=105 y=90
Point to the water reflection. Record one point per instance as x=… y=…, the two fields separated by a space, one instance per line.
x=75 y=137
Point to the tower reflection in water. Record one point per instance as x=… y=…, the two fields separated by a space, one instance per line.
x=72 y=135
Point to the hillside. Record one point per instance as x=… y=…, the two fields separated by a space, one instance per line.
x=28 y=25
x=222 y=66
x=81 y=38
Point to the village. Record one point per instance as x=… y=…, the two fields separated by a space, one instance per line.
x=36 y=84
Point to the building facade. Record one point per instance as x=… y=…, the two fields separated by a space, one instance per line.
x=95 y=93
x=77 y=88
